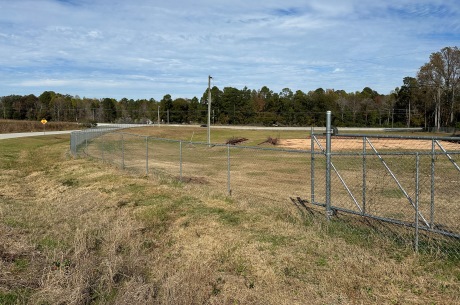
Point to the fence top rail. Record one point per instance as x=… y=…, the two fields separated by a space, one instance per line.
x=429 y=138
x=397 y=153
x=95 y=129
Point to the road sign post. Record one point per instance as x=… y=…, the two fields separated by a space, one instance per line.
x=44 y=121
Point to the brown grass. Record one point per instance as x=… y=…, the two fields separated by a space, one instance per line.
x=78 y=231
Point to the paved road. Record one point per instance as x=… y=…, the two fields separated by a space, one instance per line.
x=102 y=125
x=32 y=134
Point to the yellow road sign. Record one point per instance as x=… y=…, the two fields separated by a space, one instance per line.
x=44 y=121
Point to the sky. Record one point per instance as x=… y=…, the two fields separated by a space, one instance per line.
x=149 y=48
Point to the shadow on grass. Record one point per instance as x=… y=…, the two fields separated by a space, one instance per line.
x=397 y=240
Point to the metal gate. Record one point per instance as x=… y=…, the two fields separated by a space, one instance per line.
x=409 y=181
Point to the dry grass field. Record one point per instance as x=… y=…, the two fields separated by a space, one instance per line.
x=9 y=126
x=260 y=171
x=79 y=231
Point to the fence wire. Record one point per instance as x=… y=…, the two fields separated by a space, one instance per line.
x=407 y=181
x=405 y=187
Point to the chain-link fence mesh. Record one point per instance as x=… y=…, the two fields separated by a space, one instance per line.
x=410 y=182
x=406 y=188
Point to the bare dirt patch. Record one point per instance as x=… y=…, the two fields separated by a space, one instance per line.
x=343 y=144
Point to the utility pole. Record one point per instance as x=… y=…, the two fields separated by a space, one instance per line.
x=209 y=110
x=158 y=115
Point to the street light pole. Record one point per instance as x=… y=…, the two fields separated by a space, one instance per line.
x=209 y=110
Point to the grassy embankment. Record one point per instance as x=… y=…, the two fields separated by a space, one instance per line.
x=78 y=231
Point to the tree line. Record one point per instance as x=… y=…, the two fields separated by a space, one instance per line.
x=428 y=99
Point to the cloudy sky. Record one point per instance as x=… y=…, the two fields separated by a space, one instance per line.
x=149 y=48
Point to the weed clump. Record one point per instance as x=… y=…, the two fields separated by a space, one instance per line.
x=270 y=140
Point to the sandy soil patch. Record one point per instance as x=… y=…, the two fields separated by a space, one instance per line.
x=340 y=144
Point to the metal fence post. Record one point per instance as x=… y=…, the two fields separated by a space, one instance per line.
x=229 y=190
x=364 y=175
x=433 y=159
x=180 y=160
x=72 y=144
x=312 y=166
x=122 y=152
x=146 y=156
x=102 y=147
x=152 y=155
x=417 y=182
x=328 y=165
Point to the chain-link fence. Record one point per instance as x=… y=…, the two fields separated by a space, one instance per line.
x=412 y=182
x=238 y=171
x=407 y=184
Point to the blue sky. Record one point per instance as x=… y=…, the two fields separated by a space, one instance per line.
x=149 y=48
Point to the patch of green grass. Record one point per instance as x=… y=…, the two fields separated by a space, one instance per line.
x=240 y=266
x=186 y=200
x=230 y=218
x=21 y=264
x=48 y=243
x=351 y=232
x=158 y=216
x=155 y=216
x=225 y=216
x=15 y=223
x=15 y=297
x=392 y=193
x=448 y=249
x=290 y=271
x=103 y=297
x=321 y=262
x=31 y=155
x=283 y=214
x=136 y=190
x=155 y=199
x=8 y=298
x=232 y=261
x=160 y=210
x=274 y=240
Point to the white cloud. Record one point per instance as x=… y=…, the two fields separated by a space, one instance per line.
x=44 y=82
x=171 y=47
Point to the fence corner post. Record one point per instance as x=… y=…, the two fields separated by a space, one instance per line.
x=328 y=165
x=312 y=166
x=417 y=191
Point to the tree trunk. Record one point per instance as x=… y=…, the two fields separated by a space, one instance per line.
x=452 y=106
x=408 y=117
x=438 y=110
